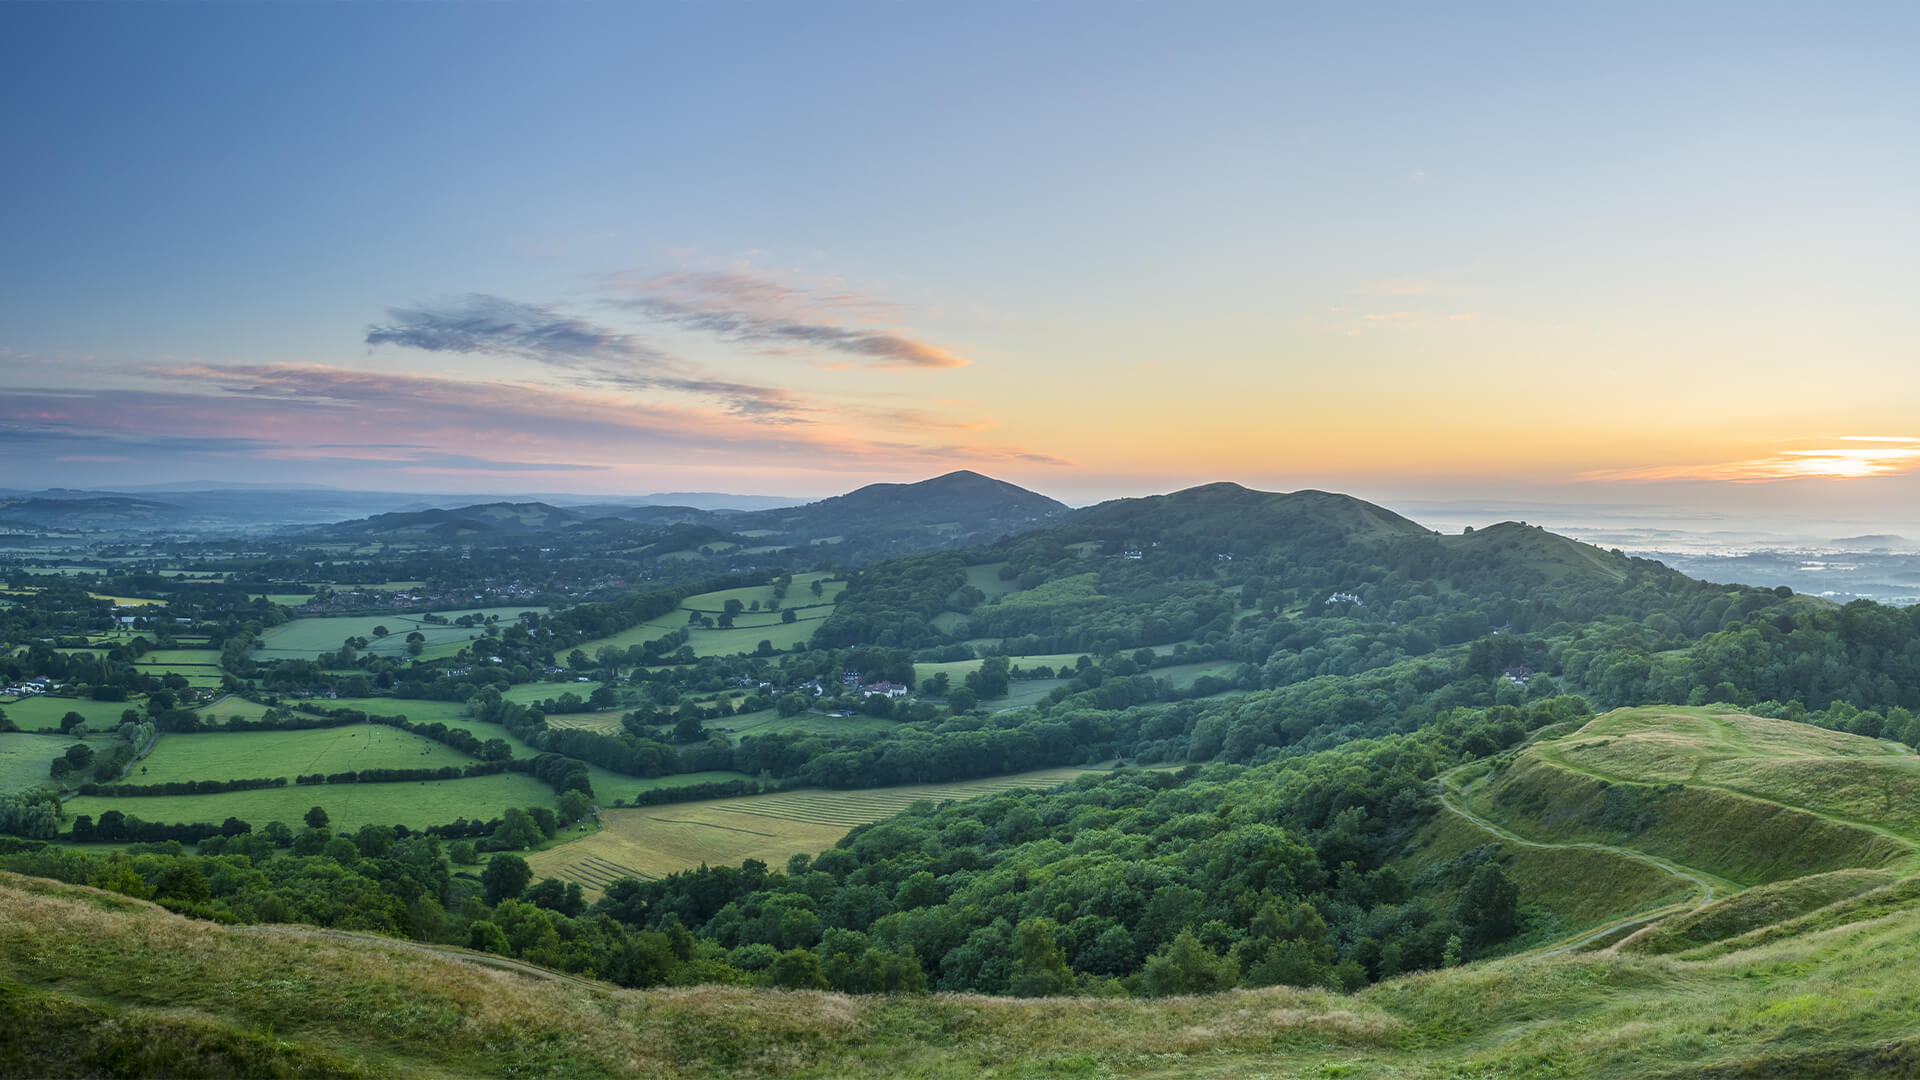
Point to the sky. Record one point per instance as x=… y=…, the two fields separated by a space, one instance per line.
x=1639 y=255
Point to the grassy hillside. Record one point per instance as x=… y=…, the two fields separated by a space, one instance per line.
x=1743 y=798
x=1532 y=546
x=96 y=984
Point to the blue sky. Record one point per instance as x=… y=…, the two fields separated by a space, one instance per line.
x=1623 y=251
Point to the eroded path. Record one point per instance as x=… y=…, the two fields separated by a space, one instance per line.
x=1702 y=882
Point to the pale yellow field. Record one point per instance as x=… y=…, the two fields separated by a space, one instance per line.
x=653 y=841
x=606 y=723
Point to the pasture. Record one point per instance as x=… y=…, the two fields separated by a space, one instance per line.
x=604 y=723
x=986 y=577
x=44 y=711
x=24 y=757
x=200 y=667
x=307 y=638
x=800 y=594
x=770 y=722
x=185 y=657
x=607 y=785
x=236 y=755
x=286 y=599
x=534 y=693
x=227 y=708
x=653 y=841
x=1183 y=676
x=415 y=804
x=750 y=627
x=745 y=637
x=449 y=713
x=1026 y=692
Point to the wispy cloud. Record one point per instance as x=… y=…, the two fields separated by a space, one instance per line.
x=747 y=308
x=478 y=323
x=490 y=325
x=311 y=415
x=1895 y=454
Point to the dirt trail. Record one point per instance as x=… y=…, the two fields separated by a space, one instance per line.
x=1700 y=882
x=453 y=951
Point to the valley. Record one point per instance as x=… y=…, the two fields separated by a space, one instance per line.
x=1357 y=791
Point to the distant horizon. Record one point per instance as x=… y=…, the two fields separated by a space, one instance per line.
x=1145 y=246
x=1692 y=525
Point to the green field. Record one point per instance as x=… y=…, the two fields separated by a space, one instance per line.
x=1025 y=692
x=800 y=594
x=986 y=578
x=717 y=642
x=449 y=713
x=604 y=723
x=413 y=803
x=958 y=670
x=200 y=667
x=226 y=708
x=307 y=638
x=1183 y=676
x=650 y=841
x=770 y=722
x=25 y=757
x=197 y=678
x=287 y=599
x=530 y=693
x=45 y=712
x=750 y=627
x=186 y=657
x=607 y=785
x=235 y=755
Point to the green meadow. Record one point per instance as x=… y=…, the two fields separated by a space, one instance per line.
x=799 y=594
x=306 y=638
x=25 y=757
x=46 y=712
x=770 y=722
x=225 y=709
x=348 y=806
x=750 y=628
x=607 y=785
x=236 y=755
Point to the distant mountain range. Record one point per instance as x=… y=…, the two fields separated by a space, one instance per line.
x=231 y=506
x=871 y=522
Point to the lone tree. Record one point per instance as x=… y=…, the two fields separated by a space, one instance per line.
x=1489 y=910
x=317 y=818
x=505 y=877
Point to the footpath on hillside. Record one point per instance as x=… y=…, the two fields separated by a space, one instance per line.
x=1704 y=889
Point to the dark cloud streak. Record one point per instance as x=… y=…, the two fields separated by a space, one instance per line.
x=594 y=355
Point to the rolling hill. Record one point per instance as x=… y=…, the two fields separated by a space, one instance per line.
x=873 y=522
x=1676 y=828
x=1811 y=984
x=957 y=508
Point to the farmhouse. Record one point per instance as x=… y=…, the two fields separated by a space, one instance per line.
x=886 y=689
